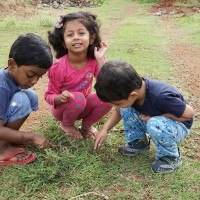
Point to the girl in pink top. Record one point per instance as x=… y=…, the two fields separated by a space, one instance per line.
x=81 y=54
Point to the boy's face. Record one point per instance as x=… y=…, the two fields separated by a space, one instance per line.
x=125 y=103
x=25 y=76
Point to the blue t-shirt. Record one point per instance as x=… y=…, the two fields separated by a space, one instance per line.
x=162 y=98
x=8 y=87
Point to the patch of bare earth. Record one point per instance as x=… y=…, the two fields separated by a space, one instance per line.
x=14 y=7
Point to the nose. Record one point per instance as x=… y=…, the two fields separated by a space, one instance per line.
x=76 y=36
x=34 y=80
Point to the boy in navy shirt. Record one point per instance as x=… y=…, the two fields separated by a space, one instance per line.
x=146 y=106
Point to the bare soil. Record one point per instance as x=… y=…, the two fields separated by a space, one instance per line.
x=14 y=7
x=171 y=6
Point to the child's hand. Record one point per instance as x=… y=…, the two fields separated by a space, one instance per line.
x=145 y=118
x=100 y=138
x=40 y=141
x=65 y=95
x=100 y=54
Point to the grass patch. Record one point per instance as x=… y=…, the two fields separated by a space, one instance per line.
x=191 y=25
x=188 y=3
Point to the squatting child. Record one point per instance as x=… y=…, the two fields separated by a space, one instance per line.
x=29 y=59
x=146 y=106
x=80 y=55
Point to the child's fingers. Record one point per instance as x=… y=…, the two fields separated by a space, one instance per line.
x=95 y=49
x=67 y=94
x=51 y=145
x=98 y=143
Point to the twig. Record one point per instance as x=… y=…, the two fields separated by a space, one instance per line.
x=89 y=193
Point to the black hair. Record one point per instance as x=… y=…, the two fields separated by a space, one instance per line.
x=30 y=49
x=116 y=80
x=88 y=20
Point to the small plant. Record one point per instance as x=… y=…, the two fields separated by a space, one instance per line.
x=10 y=22
x=45 y=22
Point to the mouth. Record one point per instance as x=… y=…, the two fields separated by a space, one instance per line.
x=77 y=45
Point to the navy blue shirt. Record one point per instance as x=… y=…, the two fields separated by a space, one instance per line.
x=8 y=87
x=162 y=98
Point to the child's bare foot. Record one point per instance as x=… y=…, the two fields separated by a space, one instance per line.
x=10 y=155
x=89 y=131
x=71 y=131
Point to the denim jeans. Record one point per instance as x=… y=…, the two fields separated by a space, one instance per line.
x=21 y=105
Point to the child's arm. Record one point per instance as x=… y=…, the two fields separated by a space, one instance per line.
x=187 y=114
x=11 y=135
x=101 y=136
x=100 y=54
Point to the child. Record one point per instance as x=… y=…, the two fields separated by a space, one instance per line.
x=146 y=106
x=29 y=59
x=80 y=53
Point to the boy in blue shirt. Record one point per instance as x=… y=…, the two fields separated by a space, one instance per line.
x=30 y=57
x=146 y=106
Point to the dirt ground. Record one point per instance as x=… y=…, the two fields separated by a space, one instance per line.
x=14 y=7
x=185 y=58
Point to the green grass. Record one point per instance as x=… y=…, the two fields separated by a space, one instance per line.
x=191 y=25
x=141 y=43
x=73 y=168
x=188 y=3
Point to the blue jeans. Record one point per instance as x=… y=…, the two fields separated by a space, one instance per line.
x=21 y=105
x=165 y=133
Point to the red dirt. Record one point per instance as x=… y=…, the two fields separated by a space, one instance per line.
x=169 y=5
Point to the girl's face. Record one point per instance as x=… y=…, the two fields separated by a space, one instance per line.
x=76 y=37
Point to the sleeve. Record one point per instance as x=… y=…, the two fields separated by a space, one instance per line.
x=56 y=77
x=4 y=102
x=171 y=103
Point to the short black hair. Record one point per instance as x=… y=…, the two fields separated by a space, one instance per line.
x=89 y=20
x=116 y=80
x=30 y=49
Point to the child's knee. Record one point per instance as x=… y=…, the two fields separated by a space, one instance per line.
x=77 y=103
x=20 y=101
x=153 y=128
x=33 y=98
x=20 y=107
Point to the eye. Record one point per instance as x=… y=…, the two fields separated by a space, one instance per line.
x=82 y=33
x=30 y=75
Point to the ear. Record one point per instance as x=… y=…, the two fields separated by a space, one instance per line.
x=133 y=94
x=92 y=39
x=11 y=64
